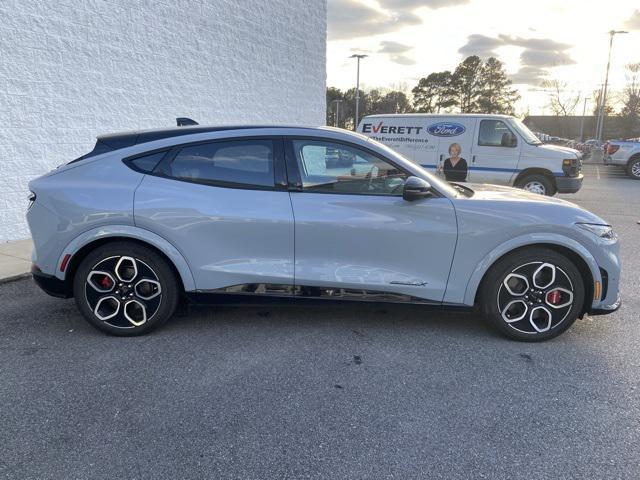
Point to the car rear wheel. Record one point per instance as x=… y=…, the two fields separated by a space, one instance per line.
x=633 y=168
x=532 y=295
x=125 y=289
x=536 y=183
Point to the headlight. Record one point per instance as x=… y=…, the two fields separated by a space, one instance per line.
x=602 y=231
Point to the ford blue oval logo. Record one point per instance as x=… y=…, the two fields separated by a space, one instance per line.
x=446 y=129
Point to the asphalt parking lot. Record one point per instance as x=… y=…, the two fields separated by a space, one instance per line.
x=327 y=392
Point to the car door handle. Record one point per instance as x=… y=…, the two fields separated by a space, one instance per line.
x=473 y=159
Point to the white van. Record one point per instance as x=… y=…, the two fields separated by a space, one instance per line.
x=498 y=149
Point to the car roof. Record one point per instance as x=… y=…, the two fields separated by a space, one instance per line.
x=120 y=140
x=127 y=139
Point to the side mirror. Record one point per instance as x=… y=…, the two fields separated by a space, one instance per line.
x=415 y=188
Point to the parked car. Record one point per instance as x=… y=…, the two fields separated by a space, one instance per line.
x=626 y=154
x=206 y=214
x=499 y=149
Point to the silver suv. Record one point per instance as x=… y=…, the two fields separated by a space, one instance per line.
x=152 y=218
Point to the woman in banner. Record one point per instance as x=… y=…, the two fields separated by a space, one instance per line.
x=455 y=167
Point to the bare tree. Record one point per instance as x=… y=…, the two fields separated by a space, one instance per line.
x=562 y=102
x=630 y=111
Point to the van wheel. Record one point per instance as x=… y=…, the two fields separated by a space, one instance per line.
x=125 y=289
x=532 y=295
x=537 y=183
x=633 y=168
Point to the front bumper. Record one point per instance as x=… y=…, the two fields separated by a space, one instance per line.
x=569 y=184
x=606 y=309
x=50 y=284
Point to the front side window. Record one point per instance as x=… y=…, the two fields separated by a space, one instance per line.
x=495 y=133
x=243 y=162
x=335 y=168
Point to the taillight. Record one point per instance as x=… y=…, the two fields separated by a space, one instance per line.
x=611 y=149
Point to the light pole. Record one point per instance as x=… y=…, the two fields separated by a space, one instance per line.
x=612 y=33
x=358 y=56
x=337 y=102
x=597 y=112
x=584 y=111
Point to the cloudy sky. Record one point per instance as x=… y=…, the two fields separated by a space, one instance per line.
x=556 y=39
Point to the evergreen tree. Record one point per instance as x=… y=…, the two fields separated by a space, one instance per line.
x=467 y=80
x=434 y=93
x=496 y=94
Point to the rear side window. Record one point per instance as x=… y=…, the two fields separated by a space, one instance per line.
x=241 y=162
x=147 y=163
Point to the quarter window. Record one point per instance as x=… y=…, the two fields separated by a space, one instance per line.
x=336 y=168
x=243 y=162
x=495 y=133
x=147 y=163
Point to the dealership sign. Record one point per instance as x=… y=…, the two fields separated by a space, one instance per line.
x=396 y=129
x=446 y=129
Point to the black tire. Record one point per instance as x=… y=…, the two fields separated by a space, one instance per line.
x=633 y=167
x=153 y=279
x=535 y=325
x=537 y=178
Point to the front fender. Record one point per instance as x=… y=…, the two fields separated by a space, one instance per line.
x=129 y=231
x=523 y=241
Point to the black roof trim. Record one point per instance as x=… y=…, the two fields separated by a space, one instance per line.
x=115 y=141
x=128 y=139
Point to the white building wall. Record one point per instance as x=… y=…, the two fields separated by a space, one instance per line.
x=73 y=69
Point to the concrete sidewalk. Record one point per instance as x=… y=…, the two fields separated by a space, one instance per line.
x=15 y=259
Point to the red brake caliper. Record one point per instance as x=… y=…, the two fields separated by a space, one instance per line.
x=105 y=282
x=554 y=297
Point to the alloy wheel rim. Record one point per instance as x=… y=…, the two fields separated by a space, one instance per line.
x=123 y=291
x=635 y=169
x=535 y=297
x=535 y=187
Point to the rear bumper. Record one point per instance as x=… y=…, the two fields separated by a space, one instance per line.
x=569 y=184
x=50 y=284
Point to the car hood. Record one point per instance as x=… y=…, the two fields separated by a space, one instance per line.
x=526 y=202
x=560 y=150
x=483 y=191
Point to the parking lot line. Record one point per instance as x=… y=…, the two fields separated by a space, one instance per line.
x=597 y=173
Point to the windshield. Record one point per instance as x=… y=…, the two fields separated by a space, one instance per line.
x=436 y=183
x=526 y=134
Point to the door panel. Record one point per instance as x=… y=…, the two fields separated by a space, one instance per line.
x=492 y=161
x=229 y=236
x=376 y=243
x=218 y=204
x=353 y=230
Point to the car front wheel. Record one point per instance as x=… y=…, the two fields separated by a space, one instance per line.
x=537 y=183
x=532 y=295
x=125 y=289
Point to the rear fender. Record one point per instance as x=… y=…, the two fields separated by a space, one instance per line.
x=126 y=231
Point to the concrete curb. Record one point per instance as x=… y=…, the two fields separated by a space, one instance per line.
x=14 y=278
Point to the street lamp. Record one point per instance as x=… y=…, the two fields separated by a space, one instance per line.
x=359 y=56
x=612 y=33
x=337 y=102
